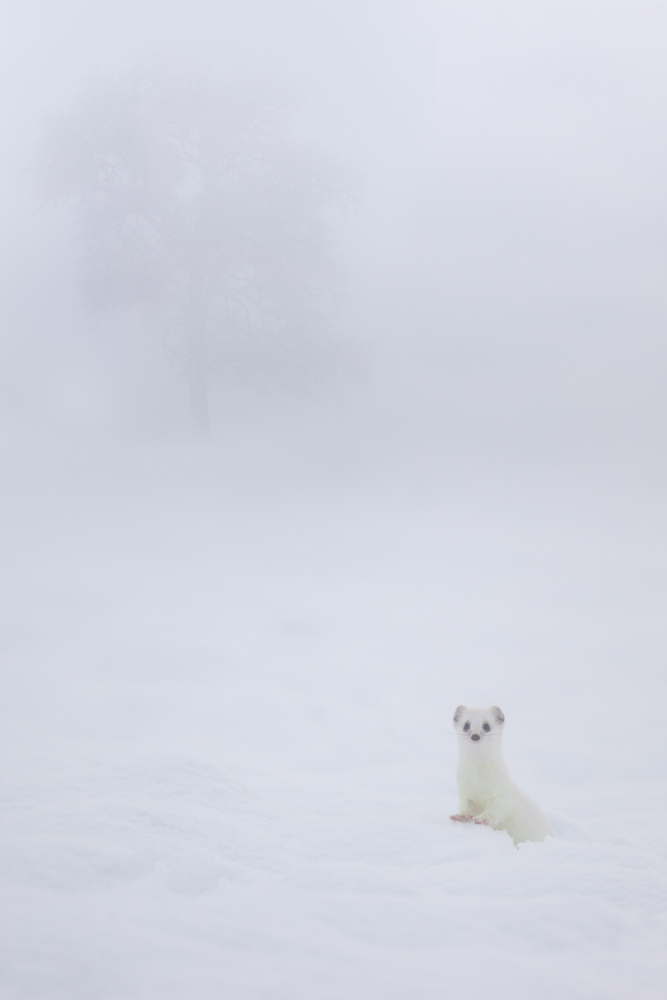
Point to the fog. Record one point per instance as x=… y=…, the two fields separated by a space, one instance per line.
x=231 y=658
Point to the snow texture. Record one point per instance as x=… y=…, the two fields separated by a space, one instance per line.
x=226 y=729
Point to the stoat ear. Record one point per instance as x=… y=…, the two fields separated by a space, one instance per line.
x=497 y=714
x=458 y=713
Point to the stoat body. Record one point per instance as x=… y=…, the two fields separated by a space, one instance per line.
x=487 y=794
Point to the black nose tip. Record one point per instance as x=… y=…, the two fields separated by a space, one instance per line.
x=475 y=737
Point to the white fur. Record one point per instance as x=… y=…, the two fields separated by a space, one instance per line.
x=487 y=794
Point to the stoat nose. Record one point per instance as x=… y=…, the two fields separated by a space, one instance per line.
x=475 y=737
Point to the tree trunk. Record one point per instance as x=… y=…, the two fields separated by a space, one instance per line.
x=197 y=384
x=197 y=361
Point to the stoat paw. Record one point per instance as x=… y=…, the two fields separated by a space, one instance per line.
x=462 y=818
x=481 y=822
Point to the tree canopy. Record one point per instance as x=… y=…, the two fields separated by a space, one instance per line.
x=197 y=203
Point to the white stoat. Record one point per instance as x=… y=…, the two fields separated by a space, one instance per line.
x=487 y=794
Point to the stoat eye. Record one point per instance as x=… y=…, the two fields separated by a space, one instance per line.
x=486 y=727
x=466 y=727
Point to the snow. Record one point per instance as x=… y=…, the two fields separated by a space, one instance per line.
x=229 y=764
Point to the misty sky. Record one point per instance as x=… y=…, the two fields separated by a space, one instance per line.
x=508 y=266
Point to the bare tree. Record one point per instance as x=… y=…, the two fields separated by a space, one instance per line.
x=196 y=203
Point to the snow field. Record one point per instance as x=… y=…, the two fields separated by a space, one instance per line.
x=227 y=744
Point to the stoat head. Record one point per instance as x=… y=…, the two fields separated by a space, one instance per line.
x=478 y=725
